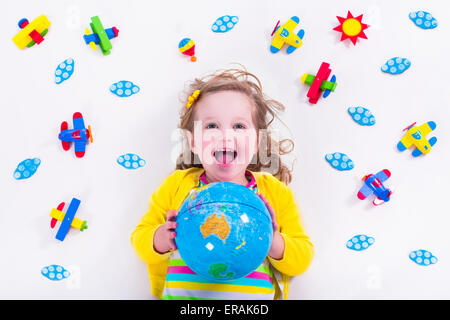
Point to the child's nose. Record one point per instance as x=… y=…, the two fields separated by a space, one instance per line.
x=228 y=139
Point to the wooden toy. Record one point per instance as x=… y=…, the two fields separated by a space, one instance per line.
x=100 y=36
x=187 y=47
x=285 y=34
x=374 y=184
x=417 y=136
x=67 y=219
x=351 y=28
x=79 y=135
x=319 y=83
x=31 y=33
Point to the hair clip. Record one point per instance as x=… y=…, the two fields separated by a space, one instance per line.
x=192 y=98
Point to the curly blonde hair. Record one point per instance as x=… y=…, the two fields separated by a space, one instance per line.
x=266 y=111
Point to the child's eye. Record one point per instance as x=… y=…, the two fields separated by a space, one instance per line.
x=211 y=126
x=238 y=126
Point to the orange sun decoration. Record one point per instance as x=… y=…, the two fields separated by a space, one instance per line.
x=351 y=27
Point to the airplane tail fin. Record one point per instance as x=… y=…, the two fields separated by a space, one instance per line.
x=116 y=31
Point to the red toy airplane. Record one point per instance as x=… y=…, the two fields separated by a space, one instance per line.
x=319 y=83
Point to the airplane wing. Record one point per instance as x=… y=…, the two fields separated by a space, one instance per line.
x=322 y=75
x=383 y=175
x=65 y=144
x=405 y=143
x=58 y=215
x=78 y=122
x=80 y=148
x=291 y=23
x=364 y=192
x=276 y=44
x=67 y=221
x=426 y=128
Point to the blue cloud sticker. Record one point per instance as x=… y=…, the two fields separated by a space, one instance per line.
x=423 y=257
x=423 y=19
x=64 y=71
x=124 y=88
x=130 y=161
x=26 y=168
x=224 y=24
x=360 y=242
x=55 y=272
x=362 y=116
x=396 y=65
x=339 y=161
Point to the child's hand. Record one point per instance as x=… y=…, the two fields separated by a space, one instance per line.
x=272 y=212
x=276 y=250
x=164 y=238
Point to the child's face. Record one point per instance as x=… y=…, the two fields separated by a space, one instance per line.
x=225 y=137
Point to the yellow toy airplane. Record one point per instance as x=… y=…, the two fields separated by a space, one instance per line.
x=285 y=34
x=417 y=136
x=31 y=33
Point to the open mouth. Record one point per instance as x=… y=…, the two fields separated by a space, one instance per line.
x=225 y=157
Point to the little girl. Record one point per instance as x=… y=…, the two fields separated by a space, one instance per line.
x=225 y=121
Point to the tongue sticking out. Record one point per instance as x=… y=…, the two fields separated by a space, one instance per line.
x=224 y=157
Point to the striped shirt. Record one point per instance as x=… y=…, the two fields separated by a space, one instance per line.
x=183 y=283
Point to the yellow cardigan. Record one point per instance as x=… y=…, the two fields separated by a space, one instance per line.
x=173 y=191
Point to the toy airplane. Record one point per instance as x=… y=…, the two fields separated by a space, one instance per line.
x=285 y=34
x=79 y=135
x=374 y=184
x=31 y=33
x=67 y=219
x=319 y=83
x=417 y=136
x=100 y=36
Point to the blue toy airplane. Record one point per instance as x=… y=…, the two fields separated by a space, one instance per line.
x=67 y=219
x=285 y=34
x=374 y=184
x=79 y=135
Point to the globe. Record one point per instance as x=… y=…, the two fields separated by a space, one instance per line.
x=224 y=231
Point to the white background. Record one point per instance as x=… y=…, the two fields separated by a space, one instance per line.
x=113 y=199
